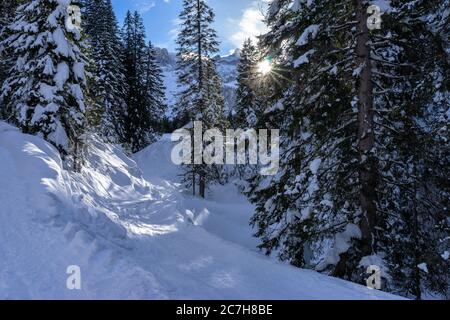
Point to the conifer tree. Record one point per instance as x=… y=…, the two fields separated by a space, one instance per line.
x=46 y=88
x=138 y=124
x=363 y=147
x=200 y=98
x=155 y=89
x=246 y=104
x=414 y=189
x=7 y=11
x=100 y=25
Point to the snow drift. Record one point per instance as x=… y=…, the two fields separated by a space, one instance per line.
x=133 y=232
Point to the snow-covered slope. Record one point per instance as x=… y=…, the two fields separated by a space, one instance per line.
x=50 y=220
x=133 y=233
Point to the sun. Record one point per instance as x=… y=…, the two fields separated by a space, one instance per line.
x=265 y=67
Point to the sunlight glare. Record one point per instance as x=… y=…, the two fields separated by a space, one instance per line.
x=264 y=67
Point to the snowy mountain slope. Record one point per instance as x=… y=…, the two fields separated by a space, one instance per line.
x=47 y=224
x=226 y=67
x=133 y=235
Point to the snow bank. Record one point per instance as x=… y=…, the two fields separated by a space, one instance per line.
x=50 y=220
x=134 y=235
x=208 y=251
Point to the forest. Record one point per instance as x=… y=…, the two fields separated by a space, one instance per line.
x=358 y=92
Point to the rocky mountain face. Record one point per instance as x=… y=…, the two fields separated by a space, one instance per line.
x=226 y=66
x=164 y=57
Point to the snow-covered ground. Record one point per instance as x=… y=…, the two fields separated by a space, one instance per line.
x=133 y=231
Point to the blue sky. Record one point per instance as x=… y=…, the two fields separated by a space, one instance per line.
x=235 y=20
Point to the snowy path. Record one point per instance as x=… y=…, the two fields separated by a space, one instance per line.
x=205 y=249
x=133 y=236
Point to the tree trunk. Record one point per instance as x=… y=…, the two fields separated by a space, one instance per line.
x=75 y=156
x=417 y=291
x=366 y=138
x=202 y=186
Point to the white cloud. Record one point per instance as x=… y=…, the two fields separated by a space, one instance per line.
x=251 y=25
x=176 y=27
x=144 y=6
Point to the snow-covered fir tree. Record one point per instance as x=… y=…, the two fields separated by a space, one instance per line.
x=7 y=11
x=358 y=118
x=45 y=90
x=217 y=117
x=215 y=112
x=246 y=104
x=155 y=89
x=100 y=25
x=200 y=98
x=138 y=129
x=249 y=97
x=196 y=45
x=412 y=89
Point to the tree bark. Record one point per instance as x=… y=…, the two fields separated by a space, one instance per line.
x=202 y=186
x=366 y=138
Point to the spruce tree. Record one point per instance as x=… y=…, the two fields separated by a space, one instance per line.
x=215 y=112
x=7 y=12
x=155 y=89
x=363 y=145
x=414 y=188
x=138 y=129
x=46 y=87
x=217 y=173
x=246 y=104
x=249 y=95
x=109 y=89
x=200 y=98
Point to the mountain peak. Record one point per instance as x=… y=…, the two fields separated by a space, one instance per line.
x=164 y=57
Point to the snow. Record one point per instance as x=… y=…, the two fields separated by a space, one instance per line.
x=384 y=5
x=78 y=70
x=170 y=82
x=48 y=92
x=49 y=68
x=62 y=46
x=314 y=166
x=134 y=232
x=62 y=75
x=40 y=111
x=341 y=244
x=303 y=58
x=376 y=260
x=310 y=31
x=295 y=6
x=423 y=267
